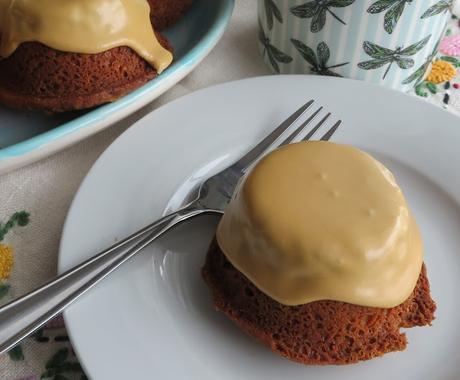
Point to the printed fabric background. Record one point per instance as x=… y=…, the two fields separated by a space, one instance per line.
x=48 y=354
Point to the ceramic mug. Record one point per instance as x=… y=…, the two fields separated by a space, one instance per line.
x=388 y=42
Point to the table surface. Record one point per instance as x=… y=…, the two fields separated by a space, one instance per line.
x=46 y=189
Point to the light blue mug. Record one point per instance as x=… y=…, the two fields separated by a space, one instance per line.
x=388 y=42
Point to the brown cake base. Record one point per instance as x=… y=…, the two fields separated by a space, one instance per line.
x=36 y=77
x=322 y=332
x=167 y=12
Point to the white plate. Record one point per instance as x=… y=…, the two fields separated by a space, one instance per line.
x=154 y=318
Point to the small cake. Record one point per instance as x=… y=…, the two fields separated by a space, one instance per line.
x=167 y=12
x=67 y=55
x=319 y=257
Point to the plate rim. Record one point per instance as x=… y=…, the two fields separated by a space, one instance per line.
x=105 y=115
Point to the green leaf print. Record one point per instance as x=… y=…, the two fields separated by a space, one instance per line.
x=383 y=56
x=20 y=218
x=453 y=60
x=58 y=358
x=415 y=48
x=319 y=60
x=60 y=377
x=16 y=354
x=394 y=10
x=4 y=288
x=420 y=90
x=275 y=56
x=272 y=10
x=48 y=373
x=417 y=76
x=317 y=10
x=60 y=367
x=431 y=87
x=440 y=7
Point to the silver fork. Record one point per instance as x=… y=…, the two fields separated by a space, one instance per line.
x=21 y=317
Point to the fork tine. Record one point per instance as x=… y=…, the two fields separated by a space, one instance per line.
x=331 y=131
x=301 y=128
x=317 y=126
x=260 y=148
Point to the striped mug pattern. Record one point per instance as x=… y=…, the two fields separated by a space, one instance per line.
x=388 y=42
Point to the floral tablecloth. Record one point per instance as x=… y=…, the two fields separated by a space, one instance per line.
x=442 y=85
x=33 y=205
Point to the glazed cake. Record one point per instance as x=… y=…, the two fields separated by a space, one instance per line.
x=319 y=257
x=320 y=332
x=73 y=62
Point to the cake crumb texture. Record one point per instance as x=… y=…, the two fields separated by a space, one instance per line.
x=321 y=332
x=165 y=13
x=37 y=77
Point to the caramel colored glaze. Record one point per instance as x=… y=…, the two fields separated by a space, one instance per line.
x=82 y=26
x=323 y=221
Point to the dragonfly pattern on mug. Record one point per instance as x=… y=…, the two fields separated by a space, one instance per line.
x=317 y=10
x=272 y=11
x=275 y=55
x=394 y=10
x=318 y=61
x=382 y=56
x=442 y=6
x=418 y=75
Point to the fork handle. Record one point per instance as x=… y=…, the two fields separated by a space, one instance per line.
x=23 y=316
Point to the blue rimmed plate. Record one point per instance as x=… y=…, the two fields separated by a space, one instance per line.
x=26 y=137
